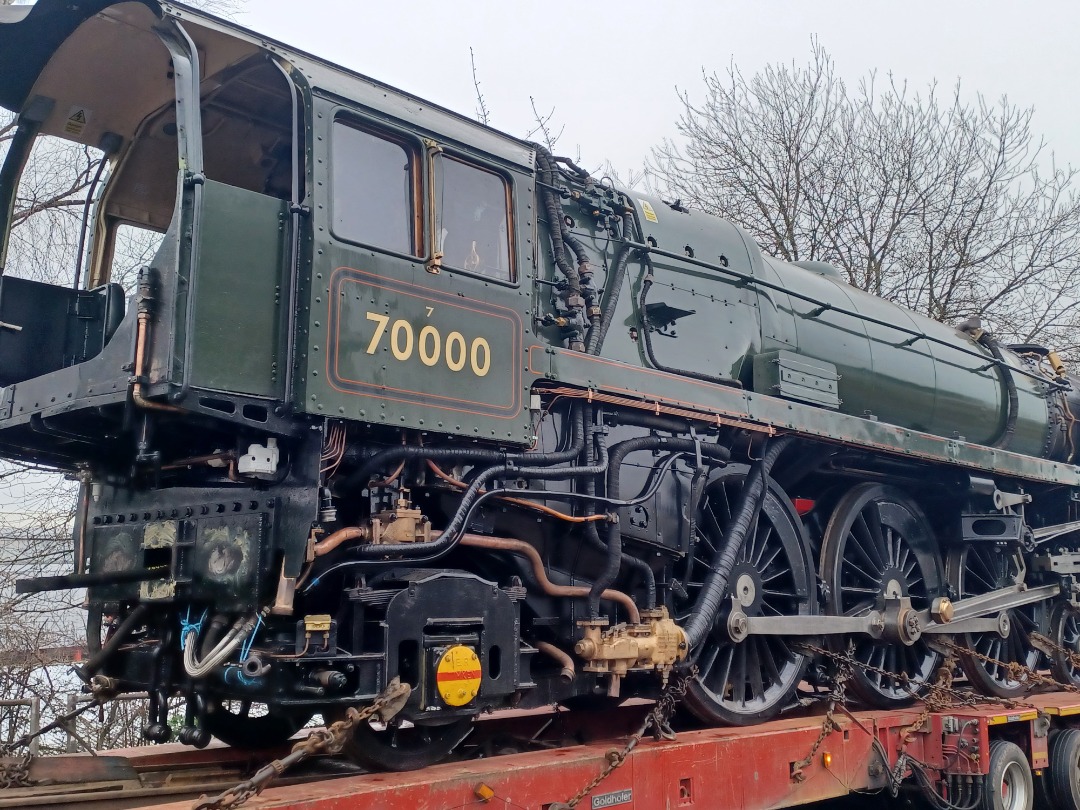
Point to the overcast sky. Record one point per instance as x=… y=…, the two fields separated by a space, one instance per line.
x=611 y=70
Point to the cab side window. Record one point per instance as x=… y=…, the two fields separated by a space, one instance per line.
x=472 y=229
x=374 y=186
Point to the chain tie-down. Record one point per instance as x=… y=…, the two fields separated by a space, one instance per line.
x=329 y=740
x=658 y=721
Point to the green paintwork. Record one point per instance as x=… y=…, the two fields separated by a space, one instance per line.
x=478 y=383
x=240 y=261
x=652 y=387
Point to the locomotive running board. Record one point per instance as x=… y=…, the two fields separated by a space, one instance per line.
x=976 y=614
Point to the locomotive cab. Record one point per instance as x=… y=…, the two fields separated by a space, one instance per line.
x=196 y=219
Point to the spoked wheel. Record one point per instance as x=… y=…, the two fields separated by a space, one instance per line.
x=879 y=544
x=1065 y=633
x=399 y=745
x=752 y=680
x=980 y=568
x=243 y=724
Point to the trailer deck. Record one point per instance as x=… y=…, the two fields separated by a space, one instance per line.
x=764 y=766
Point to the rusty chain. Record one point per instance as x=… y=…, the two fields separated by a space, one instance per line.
x=837 y=697
x=15 y=773
x=329 y=740
x=658 y=720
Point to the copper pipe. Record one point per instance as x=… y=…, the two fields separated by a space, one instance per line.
x=332 y=541
x=140 y=360
x=391 y=478
x=546 y=585
x=550 y=650
x=539 y=507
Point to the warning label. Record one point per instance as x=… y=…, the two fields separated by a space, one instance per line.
x=647 y=210
x=77 y=119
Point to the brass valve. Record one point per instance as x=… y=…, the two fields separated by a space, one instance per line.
x=402 y=524
x=655 y=644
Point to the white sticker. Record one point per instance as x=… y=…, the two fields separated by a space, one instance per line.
x=76 y=120
x=647 y=210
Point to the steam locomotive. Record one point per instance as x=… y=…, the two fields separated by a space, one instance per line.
x=402 y=397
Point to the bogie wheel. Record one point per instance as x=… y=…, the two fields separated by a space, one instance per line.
x=752 y=680
x=1008 y=785
x=979 y=568
x=877 y=545
x=242 y=724
x=400 y=745
x=1063 y=776
x=1065 y=633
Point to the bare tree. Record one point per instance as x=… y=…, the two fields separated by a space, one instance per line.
x=951 y=207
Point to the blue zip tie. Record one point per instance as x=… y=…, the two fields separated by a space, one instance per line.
x=186 y=626
x=246 y=649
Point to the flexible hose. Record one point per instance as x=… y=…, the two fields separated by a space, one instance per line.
x=360 y=478
x=224 y=648
x=619 y=452
x=592 y=534
x=97 y=660
x=744 y=516
x=612 y=289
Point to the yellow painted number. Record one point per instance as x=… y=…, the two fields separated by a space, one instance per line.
x=430 y=345
x=401 y=328
x=457 y=352
x=380 y=330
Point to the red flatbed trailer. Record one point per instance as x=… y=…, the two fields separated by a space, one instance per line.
x=734 y=768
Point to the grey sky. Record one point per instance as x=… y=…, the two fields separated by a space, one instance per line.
x=611 y=69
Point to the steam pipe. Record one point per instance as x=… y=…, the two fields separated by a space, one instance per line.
x=146 y=299
x=619 y=452
x=551 y=651
x=540 y=574
x=97 y=660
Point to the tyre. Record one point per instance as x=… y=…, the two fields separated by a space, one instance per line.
x=1009 y=783
x=1063 y=776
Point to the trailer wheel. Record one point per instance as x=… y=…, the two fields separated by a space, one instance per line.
x=1064 y=775
x=1009 y=785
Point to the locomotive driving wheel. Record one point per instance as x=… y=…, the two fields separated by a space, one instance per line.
x=400 y=745
x=1065 y=633
x=979 y=568
x=243 y=724
x=879 y=545
x=739 y=683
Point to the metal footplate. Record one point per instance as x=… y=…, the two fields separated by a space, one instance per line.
x=898 y=621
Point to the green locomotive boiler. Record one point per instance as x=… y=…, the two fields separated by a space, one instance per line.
x=402 y=397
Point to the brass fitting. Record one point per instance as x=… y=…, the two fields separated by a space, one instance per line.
x=403 y=524
x=657 y=643
x=941 y=610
